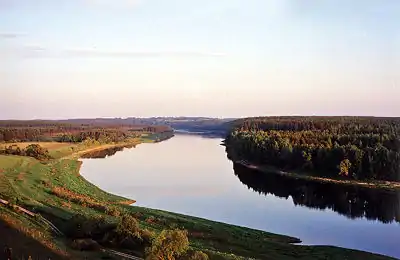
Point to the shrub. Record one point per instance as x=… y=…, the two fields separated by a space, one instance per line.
x=80 y=227
x=85 y=245
x=168 y=245
x=36 y=151
x=112 y=211
x=128 y=226
x=198 y=255
x=129 y=235
x=12 y=150
x=147 y=236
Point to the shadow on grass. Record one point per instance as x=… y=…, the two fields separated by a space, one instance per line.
x=19 y=246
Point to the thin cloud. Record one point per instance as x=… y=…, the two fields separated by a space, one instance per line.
x=138 y=54
x=37 y=52
x=114 y=3
x=9 y=35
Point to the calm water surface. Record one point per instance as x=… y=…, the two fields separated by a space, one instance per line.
x=192 y=175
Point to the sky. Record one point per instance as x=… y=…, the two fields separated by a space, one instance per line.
x=220 y=58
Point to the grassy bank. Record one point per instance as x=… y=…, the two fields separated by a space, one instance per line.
x=57 y=191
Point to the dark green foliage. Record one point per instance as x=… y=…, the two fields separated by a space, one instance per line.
x=360 y=148
x=351 y=201
x=101 y=135
x=85 y=245
x=128 y=234
x=12 y=150
x=75 y=131
x=33 y=150
x=81 y=227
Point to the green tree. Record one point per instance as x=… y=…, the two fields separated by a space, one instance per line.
x=344 y=167
x=168 y=245
x=128 y=227
x=36 y=151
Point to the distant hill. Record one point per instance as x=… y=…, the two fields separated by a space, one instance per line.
x=190 y=124
x=199 y=125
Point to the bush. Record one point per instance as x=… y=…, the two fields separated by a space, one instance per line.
x=85 y=245
x=168 y=245
x=32 y=150
x=128 y=226
x=80 y=227
x=13 y=150
x=36 y=151
x=198 y=255
x=112 y=211
x=129 y=235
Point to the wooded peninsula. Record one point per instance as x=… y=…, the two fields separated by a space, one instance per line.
x=350 y=148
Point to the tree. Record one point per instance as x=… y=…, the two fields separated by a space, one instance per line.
x=128 y=234
x=36 y=151
x=344 y=167
x=128 y=227
x=168 y=245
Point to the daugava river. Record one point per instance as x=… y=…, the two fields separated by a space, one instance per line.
x=191 y=174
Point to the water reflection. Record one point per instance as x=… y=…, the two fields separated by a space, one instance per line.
x=350 y=201
x=99 y=154
x=210 y=134
x=189 y=174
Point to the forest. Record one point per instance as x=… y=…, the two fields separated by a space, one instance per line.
x=44 y=131
x=360 y=148
x=348 y=200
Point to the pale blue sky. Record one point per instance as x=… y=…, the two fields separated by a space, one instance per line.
x=226 y=58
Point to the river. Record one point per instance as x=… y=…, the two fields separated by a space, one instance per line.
x=191 y=174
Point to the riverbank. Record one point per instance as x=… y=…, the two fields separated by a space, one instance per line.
x=56 y=190
x=272 y=170
x=267 y=169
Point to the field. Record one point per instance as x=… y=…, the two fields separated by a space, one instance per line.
x=55 y=189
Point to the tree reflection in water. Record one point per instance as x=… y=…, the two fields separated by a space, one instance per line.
x=350 y=201
x=103 y=153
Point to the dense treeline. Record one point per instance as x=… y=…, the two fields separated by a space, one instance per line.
x=353 y=147
x=24 y=131
x=350 y=201
x=101 y=135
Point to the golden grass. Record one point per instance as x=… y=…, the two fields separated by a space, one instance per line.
x=74 y=197
x=85 y=201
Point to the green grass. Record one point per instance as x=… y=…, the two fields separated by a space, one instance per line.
x=31 y=181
